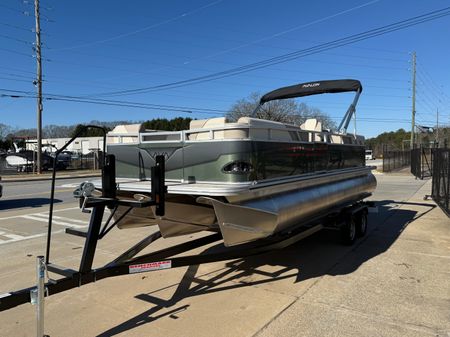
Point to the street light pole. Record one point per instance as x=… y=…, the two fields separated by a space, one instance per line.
x=39 y=87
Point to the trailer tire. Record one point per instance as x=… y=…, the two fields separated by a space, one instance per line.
x=348 y=230
x=361 y=225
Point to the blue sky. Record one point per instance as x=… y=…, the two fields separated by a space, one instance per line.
x=94 y=48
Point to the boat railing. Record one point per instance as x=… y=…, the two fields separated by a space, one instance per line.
x=233 y=131
x=122 y=138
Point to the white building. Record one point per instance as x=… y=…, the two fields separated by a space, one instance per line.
x=81 y=145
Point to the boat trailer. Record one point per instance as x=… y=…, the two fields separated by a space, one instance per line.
x=349 y=218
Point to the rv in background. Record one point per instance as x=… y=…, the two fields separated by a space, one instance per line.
x=369 y=155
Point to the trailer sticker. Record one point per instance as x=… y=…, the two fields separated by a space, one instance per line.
x=143 y=267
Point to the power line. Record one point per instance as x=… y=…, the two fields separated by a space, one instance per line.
x=429 y=84
x=15 y=79
x=12 y=9
x=15 y=52
x=106 y=102
x=365 y=119
x=160 y=107
x=240 y=32
x=304 y=25
x=15 y=39
x=183 y=15
x=16 y=69
x=182 y=66
x=15 y=27
x=15 y=75
x=294 y=55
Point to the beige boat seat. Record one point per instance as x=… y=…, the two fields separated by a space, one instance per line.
x=336 y=139
x=125 y=133
x=265 y=129
x=244 y=128
x=207 y=124
x=312 y=124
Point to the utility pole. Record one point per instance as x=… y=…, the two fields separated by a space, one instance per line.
x=39 y=87
x=413 y=116
x=437 y=126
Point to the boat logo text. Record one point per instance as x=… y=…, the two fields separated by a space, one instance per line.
x=310 y=85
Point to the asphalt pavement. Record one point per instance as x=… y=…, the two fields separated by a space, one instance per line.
x=25 y=204
x=393 y=282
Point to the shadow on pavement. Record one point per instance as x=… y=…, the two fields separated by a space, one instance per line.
x=318 y=255
x=25 y=202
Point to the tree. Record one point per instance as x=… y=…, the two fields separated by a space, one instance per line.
x=91 y=132
x=285 y=111
x=163 y=124
x=57 y=131
x=4 y=130
x=397 y=140
x=25 y=133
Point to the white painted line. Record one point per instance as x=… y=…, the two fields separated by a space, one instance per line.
x=61 y=223
x=54 y=211
x=23 y=238
x=14 y=237
x=45 y=216
x=74 y=185
x=65 y=209
x=85 y=223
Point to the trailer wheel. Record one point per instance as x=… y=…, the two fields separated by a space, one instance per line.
x=361 y=226
x=348 y=231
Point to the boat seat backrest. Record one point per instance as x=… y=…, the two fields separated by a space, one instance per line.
x=205 y=124
x=265 y=129
x=261 y=123
x=336 y=139
x=125 y=133
x=312 y=124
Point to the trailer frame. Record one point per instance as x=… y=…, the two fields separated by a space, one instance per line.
x=129 y=263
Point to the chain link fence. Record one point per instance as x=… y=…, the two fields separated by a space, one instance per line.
x=24 y=162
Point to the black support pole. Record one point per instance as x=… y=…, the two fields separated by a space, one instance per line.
x=92 y=239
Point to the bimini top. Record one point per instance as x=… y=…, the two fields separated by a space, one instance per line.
x=312 y=88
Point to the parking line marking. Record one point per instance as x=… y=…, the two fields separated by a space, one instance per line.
x=61 y=218
x=73 y=185
x=61 y=223
x=14 y=237
x=22 y=238
x=54 y=211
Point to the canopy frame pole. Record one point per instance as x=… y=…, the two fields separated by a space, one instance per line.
x=348 y=115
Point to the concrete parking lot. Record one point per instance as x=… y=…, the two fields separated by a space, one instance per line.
x=393 y=282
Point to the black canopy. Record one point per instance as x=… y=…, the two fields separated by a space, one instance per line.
x=312 y=88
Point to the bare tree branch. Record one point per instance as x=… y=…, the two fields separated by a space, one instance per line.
x=285 y=111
